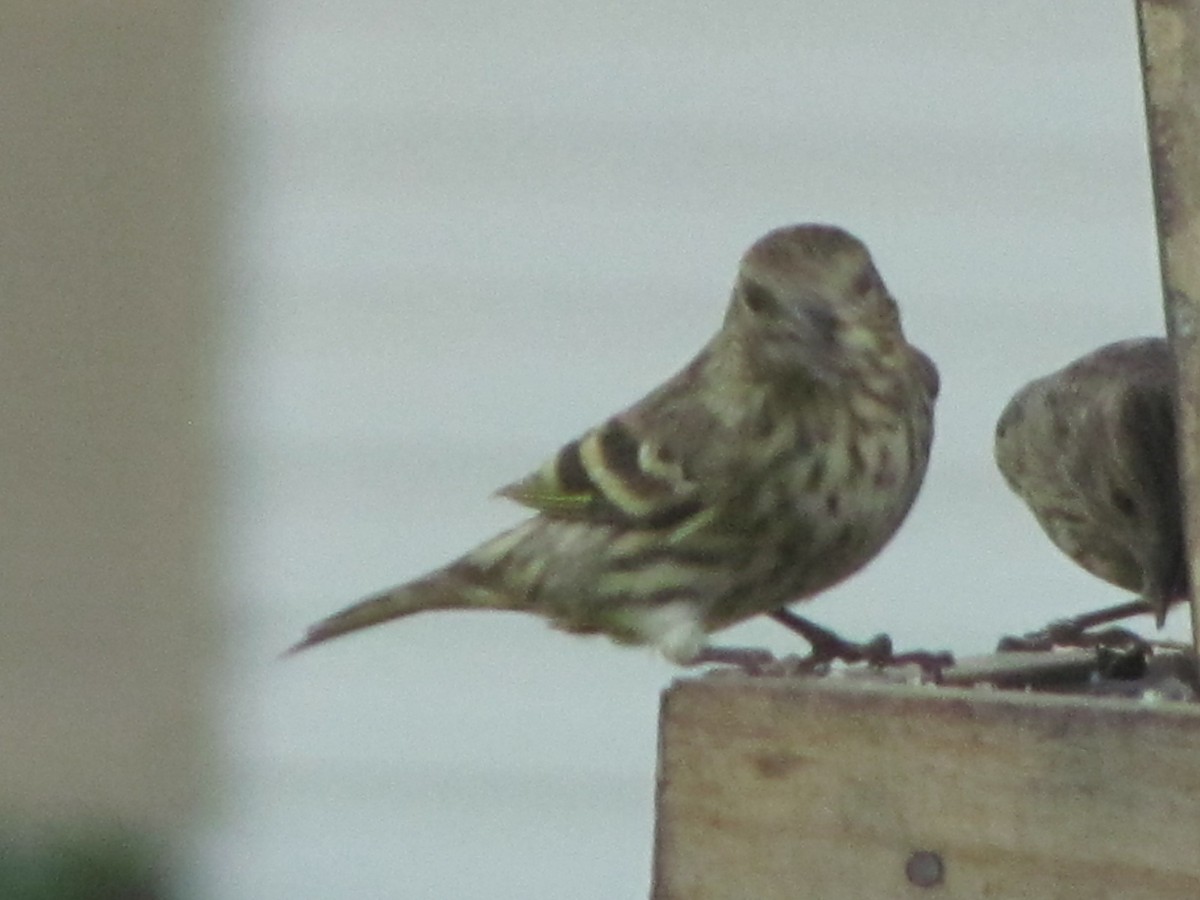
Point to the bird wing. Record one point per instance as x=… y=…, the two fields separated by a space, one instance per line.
x=1152 y=465
x=611 y=474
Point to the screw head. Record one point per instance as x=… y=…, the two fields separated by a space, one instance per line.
x=925 y=868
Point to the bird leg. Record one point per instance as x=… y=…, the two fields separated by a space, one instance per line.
x=877 y=652
x=828 y=645
x=1072 y=632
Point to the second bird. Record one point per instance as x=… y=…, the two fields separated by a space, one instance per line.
x=774 y=465
x=1091 y=450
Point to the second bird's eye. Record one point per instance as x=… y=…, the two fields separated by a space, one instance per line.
x=758 y=298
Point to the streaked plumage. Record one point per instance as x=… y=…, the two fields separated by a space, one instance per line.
x=774 y=465
x=1091 y=450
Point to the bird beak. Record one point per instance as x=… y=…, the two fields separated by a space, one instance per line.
x=814 y=329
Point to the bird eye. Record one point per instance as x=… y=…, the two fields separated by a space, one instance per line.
x=757 y=298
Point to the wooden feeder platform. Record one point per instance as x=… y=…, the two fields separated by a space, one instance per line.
x=835 y=789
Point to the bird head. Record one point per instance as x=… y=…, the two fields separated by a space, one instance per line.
x=809 y=300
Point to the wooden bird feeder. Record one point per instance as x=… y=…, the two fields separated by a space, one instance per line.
x=836 y=789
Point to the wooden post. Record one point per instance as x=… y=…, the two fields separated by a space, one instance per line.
x=796 y=788
x=1169 y=34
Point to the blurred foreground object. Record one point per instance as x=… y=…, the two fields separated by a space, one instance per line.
x=107 y=267
x=82 y=864
x=1091 y=449
x=774 y=465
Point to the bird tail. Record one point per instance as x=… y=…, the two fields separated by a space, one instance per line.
x=448 y=588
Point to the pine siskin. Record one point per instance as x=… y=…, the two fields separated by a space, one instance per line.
x=1091 y=450
x=774 y=465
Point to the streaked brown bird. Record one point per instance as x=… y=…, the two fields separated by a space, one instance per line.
x=1091 y=450
x=778 y=462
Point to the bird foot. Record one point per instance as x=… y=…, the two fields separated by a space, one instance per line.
x=1061 y=633
x=1070 y=633
x=827 y=645
x=932 y=663
x=1077 y=630
x=878 y=653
